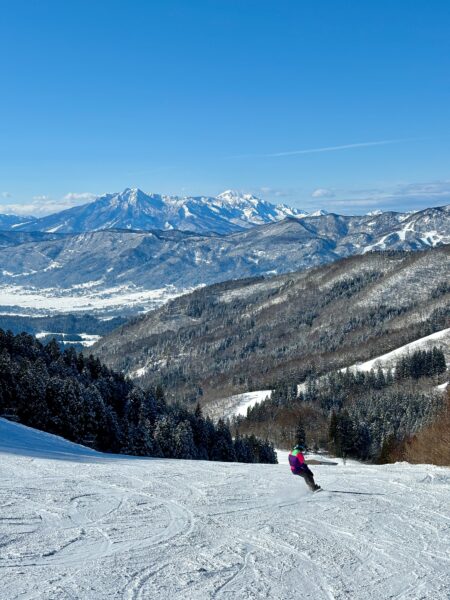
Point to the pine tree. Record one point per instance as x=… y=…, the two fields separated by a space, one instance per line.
x=223 y=449
x=184 y=446
x=243 y=451
x=164 y=435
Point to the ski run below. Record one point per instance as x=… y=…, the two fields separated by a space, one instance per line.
x=441 y=339
x=79 y=524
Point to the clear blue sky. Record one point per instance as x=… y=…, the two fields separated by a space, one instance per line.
x=196 y=96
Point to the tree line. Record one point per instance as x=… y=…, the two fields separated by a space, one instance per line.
x=357 y=414
x=77 y=397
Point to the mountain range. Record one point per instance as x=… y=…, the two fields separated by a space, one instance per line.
x=113 y=262
x=133 y=209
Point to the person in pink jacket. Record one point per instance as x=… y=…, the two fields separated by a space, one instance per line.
x=299 y=467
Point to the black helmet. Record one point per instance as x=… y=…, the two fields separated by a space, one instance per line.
x=300 y=447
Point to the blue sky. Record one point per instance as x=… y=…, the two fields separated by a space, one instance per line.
x=343 y=105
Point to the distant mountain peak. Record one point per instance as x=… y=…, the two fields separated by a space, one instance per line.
x=235 y=197
x=321 y=212
x=229 y=212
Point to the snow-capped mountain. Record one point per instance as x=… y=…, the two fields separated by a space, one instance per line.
x=133 y=209
x=102 y=266
x=319 y=213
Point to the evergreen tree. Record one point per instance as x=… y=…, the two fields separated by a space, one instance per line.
x=184 y=446
x=223 y=449
x=243 y=451
x=164 y=435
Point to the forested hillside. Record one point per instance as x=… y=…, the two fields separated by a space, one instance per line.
x=82 y=400
x=366 y=415
x=257 y=333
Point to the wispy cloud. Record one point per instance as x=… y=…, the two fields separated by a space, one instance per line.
x=270 y=192
x=324 y=149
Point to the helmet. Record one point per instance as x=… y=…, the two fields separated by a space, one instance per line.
x=300 y=447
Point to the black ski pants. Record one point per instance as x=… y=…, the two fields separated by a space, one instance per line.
x=309 y=479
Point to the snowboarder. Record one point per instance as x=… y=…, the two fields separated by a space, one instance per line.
x=299 y=467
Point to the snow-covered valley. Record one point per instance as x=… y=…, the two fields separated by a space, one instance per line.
x=79 y=524
x=92 y=299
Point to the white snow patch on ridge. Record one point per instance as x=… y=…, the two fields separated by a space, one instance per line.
x=80 y=524
x=385 y=360
x=237 y=405
x=248 y=400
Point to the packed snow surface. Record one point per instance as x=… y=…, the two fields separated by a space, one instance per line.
x=234 y=406
x=440 y=339
x=78 y=524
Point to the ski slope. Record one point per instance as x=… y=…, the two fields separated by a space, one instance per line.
x=439 y=339
x=237 y=405
x=79 y=524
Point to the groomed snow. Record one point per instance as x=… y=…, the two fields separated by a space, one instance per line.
x=439 y=338
x=237 y=405
x=78 y=524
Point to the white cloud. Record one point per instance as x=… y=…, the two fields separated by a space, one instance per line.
x=336 y=148
x=322 y=193
x=430 y=189
x=43 y=205
x=79 y=197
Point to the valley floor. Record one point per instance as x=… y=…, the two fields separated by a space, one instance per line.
x=77 y=524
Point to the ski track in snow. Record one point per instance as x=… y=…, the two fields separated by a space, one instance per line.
x=78 y=524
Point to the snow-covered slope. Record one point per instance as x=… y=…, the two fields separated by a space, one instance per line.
x=12 y=221
x=236 y=405
x=439 y=339
x=92 y=526
x=26 y=441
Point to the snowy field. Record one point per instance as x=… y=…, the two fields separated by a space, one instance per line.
x=88 y=297
x=77 y=524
